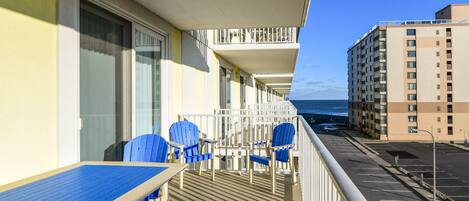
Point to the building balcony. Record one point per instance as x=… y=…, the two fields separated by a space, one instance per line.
x=282 y=35
x=234 y=129
x=259 y=50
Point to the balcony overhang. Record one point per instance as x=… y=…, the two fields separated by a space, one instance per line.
x=213 y=14
x=274 y=79
x=282 y=91
x=261 y=58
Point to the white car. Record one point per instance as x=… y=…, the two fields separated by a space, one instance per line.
x=330 y=128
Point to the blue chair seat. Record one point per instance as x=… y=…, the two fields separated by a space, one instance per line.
x=200 y=157
x=260 y=159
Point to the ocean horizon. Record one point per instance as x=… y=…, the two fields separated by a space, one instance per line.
x=326 y=107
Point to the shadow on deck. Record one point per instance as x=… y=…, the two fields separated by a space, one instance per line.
x=229 y=186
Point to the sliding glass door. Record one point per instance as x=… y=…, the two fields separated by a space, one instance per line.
x=148 y=47
x=103 y=64
x=120 y=82
x=225 y=88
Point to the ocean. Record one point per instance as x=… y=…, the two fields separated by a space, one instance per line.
x=327 y=107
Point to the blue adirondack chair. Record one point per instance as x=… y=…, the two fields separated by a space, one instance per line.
x=147 y=148
x=188 y=147
x=280 y=150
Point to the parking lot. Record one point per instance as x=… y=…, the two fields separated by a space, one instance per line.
x=375 y=183
x=417 y=158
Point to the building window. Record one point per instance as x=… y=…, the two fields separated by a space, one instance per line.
x=438 y=97
x=438 y=108
x=450 y=119
x=411 y=43
x=412 y=129
x=412 y=108
x=450 y=108
x=412 y=86
x=437 y=53
x=438 y=75
x=450 y=130
x=438 y=119
x=412 y=97
x=437 y=86
x=437 y=64
x=411 y=32
x=411 y=75
x=437 y=32
x=438 y=130
x=411 y=53
x=412 y=118
x=411 y=64
x=437 y=43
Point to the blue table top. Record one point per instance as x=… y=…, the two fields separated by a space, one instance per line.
x=87 y=182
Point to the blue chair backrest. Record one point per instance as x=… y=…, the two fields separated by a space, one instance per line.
x=146 y=148
x=187 y=134
x=283 y=134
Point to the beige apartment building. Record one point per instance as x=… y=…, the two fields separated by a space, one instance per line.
x=407 y=75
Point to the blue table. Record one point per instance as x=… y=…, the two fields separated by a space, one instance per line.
x=94 y=181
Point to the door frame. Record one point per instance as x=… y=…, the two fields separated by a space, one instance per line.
x=149 y=31
x=69 y=123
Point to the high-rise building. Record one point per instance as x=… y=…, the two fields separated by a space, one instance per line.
x=405 y=76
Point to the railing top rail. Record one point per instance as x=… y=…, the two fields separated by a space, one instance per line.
x=260 y=109
x=347 y=187
x=256 y=35
x=413 y=22
x=243 y=115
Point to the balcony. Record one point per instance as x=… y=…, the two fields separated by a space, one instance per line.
x=259 y=50
x=256 y=36
x=234 y=129
x=380 y=79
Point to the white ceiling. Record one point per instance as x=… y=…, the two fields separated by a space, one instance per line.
x=264 y=59
x=212 y=14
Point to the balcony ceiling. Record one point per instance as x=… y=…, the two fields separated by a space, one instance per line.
x=261 y=58
x=212 y=14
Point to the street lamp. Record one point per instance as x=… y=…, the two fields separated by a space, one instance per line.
x=434 y=160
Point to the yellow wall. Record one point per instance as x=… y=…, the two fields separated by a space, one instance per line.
x=28 y=88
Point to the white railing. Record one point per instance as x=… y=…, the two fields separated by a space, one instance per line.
x=256 y=35
x=235 y=130
x=412 y=22
x=321 y=177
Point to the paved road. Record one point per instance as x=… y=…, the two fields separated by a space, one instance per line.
x=374 y=182
x=417 y=158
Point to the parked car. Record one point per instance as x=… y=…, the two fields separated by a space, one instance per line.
x=330 y=128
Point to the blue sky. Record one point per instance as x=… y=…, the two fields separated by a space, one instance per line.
x=332 y=26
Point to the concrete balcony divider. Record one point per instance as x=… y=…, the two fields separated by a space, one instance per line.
x=321 y=177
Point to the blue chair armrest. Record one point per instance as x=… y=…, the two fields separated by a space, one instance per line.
x=207 y=140
x=176 y=145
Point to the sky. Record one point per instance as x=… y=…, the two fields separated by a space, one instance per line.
x=332 y=27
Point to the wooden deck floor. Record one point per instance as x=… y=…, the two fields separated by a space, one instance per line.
x=229 y=186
